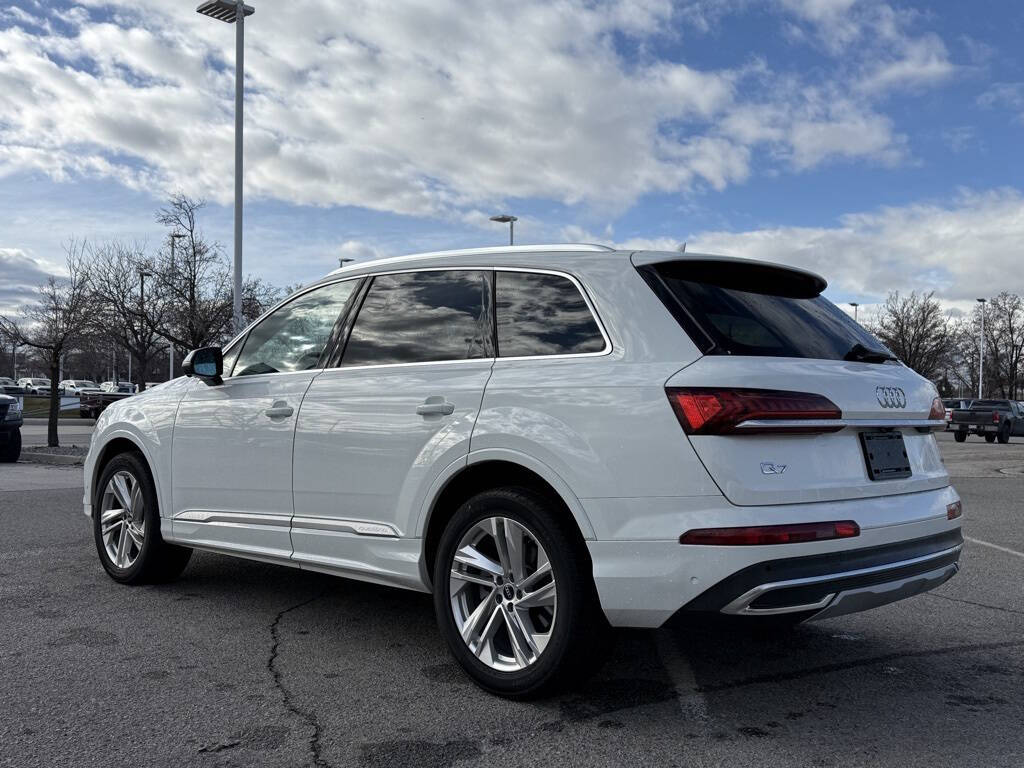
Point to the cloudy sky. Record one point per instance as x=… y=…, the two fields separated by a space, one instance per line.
x=879 y=143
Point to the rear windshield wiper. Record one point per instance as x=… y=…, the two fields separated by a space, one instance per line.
x=860 y=354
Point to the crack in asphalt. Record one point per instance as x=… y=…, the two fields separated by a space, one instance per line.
x=309 y=717
x=972 y=602
x=842 y=666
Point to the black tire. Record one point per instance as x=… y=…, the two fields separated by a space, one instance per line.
x=989 y=437
x=579 y=634
x=11 y=450
x=157 y=561
x=960 y=435
x=1004 y=433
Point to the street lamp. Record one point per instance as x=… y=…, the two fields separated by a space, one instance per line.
x=981 y=349
x=342 y=261
x=143 y=274
x=511 y=221
x=854 y=304
x=175 y=237
x=235 y=12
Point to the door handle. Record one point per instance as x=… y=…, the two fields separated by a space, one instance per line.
x=279 y=410
x=436 y=406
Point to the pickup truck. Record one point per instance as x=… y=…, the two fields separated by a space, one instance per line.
x=993 y=419
x=92 y=404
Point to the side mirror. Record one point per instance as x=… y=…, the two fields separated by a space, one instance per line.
x=206 y=362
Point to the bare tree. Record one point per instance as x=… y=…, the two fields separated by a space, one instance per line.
x=55 y=322
x=916 y=330
x=123 y=315
x=192 y=300
x=1004 y=342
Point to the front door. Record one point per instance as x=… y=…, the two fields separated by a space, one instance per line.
x=375 y=431
x=232 y=443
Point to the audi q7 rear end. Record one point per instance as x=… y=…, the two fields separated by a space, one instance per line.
x=797 y=472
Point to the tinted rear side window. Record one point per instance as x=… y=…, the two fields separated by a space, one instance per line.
x=760 y=316
x=539 y=314
x=420 y=317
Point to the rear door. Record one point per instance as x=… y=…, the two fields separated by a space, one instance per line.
x=766 y=331
x=397 y=408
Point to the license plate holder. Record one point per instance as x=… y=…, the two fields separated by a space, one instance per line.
x=886 y=455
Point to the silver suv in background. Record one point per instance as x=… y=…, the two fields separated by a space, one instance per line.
x=549 y=439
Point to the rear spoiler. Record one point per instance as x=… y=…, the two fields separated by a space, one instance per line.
x=744 y=274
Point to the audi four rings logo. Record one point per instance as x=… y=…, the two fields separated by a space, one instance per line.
x=891 y=397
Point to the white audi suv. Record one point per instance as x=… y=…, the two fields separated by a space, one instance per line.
x=550 y=440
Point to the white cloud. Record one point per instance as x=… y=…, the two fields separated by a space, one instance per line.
x=965 y=248
x=1005 y=95
x=422 y=108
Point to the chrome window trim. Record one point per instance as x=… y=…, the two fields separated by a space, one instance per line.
x=741 y=605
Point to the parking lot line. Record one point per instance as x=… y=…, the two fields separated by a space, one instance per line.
x=995 y=546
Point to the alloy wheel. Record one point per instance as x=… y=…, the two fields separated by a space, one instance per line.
x=123 y=519
x=503 y=594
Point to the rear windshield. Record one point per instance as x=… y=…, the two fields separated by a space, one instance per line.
x=761 y=311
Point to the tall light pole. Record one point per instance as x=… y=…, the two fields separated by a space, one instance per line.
x=343 y=260
x=981 y=350
x=143 y=274
x=235 y=13
x=854 y=304
x=175 y=236
x=511 y=221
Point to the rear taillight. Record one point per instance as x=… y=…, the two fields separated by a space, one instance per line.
x=716 y=411
x=938 y=410
x=954 y=510
x=995 y=417
x=757 y=535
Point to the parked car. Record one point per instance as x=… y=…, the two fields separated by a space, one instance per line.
x=550 y=439
x=992 y=419
x=35 y=386
x=78 y=386
x=951 y=404
x=117 y=386
x=92 y=403
x=10 y=386
x=10 y=428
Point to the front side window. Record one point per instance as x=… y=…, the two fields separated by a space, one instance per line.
x=420 y=317
x=294 y=336
x=541 y=314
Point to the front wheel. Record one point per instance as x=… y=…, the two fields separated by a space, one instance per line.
x=514 y=596
x=126 y=526
x=960 y=435
x=1004 y=433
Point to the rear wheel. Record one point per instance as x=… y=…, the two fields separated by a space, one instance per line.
x=960 y=436
x=11 y=450
x=514 y=597
x=989 y=437
x=126 y=526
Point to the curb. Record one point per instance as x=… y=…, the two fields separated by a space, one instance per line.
x=50 y=458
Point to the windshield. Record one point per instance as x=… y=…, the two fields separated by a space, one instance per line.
x=756 y=310
x=989 y=405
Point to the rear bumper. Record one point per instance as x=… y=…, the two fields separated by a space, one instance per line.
x=836 y=583
x=908 y=550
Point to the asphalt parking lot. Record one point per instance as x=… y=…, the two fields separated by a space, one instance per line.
x=240 y=664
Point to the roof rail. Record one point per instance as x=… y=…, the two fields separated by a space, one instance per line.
x=541 y=248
